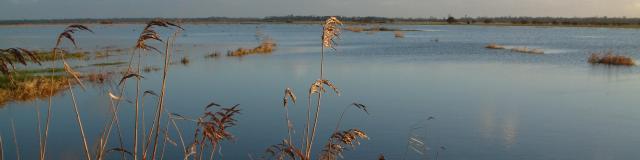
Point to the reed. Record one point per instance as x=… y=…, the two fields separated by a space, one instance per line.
x=66 y=34
x=610 y=58
x=148 y=34
x=15 y=139
x=330 y=32
x=167 y=61
x=10 y=56
x=339 y=139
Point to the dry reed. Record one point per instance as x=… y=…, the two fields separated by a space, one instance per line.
x=611 y=59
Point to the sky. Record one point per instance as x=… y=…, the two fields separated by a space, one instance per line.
x=58 y=9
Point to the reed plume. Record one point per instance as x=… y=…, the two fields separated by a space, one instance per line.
x=285 y=150
x=21 y=55
x=213 y=128
x=288 y=94
x=341 y=141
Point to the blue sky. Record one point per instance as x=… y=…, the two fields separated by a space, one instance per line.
x=55 y=9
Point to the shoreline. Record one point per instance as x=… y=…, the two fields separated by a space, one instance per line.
x=346 y=23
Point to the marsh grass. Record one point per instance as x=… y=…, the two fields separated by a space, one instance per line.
x=610 y=58
x=266 y=46
x=28 y=85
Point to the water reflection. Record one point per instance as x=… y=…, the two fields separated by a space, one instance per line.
x=500 y=124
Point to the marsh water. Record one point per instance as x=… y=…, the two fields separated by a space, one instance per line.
x=486 y=104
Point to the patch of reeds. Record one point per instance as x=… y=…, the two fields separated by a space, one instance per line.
x=494 y=46
x=266 y=46
x=611 y=59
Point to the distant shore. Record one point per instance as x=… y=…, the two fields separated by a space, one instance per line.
x=594 y=22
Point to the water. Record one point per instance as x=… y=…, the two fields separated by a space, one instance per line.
x=487 y=104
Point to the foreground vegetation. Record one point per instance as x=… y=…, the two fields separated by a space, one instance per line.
x=212 y=126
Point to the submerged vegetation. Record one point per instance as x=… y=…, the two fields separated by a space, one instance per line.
x=516 y=49
x=611 y=59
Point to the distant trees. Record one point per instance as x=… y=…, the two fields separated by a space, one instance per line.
x=452 y=20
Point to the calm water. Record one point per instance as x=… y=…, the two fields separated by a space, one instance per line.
x=487 y=104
